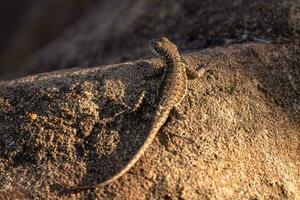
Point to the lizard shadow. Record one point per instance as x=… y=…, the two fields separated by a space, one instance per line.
x=131 y=137
x=112 y=144
x=132 y=129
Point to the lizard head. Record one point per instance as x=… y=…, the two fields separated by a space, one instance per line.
x=163 y=48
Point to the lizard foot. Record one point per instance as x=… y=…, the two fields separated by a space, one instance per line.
x=176 y=113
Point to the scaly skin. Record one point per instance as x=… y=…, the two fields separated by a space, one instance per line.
x=172 y=90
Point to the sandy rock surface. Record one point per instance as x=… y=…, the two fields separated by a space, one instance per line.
x=240 y=134
x=239 y=138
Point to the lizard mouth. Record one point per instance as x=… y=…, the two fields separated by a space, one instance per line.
x=154 y=50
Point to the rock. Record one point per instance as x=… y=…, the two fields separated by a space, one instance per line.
x=239 y=139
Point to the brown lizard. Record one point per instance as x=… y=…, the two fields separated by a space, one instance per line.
x=172 y=90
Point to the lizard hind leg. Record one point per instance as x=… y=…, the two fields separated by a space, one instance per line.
x=177 y=113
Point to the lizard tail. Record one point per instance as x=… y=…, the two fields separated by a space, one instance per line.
x=157 y=123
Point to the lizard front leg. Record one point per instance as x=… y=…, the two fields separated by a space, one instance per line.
x=196 y=73
x=128 y=109
x=136 y=105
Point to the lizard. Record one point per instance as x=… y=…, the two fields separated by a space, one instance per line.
x=172 y=90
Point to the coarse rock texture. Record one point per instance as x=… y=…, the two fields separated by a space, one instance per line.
x=239 y=138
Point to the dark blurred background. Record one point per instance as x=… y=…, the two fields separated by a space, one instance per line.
x=27 y=25
x=42 y=36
